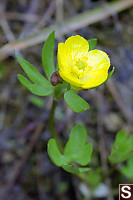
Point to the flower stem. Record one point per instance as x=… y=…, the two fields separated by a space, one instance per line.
x=51 y=125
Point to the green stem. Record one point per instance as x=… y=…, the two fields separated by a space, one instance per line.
x=51 y=125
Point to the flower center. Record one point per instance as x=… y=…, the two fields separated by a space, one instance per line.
x=80 y=64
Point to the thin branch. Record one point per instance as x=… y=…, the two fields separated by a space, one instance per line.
x=15 y=16
x=4 y=24
x=77 y=22
x=47 y=15
x=59 y=11
x=51 y=125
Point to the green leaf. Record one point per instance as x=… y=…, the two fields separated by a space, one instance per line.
x=92 y=44
x=78 y=137
x=55 y=154
x=48 y=55
x=75 y=169
x=71 y=169
x=32 y=72
x=76 y=152
x=75 y=102
x=122 y=147
x=37 y=89
x=41 y=86
x=127 y=170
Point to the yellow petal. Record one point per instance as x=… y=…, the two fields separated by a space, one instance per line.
x=95 y=79
x=62 y=58
x=76 y=88
x=76 y=47
x=98 y=59
x=100 y=63
x=70 y=78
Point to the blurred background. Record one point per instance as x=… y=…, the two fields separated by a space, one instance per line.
x=26 y=172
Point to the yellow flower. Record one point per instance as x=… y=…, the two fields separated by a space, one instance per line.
x=82 y=68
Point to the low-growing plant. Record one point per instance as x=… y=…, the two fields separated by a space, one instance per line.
x=79 y=67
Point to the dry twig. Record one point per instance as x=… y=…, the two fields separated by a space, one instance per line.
x=75 y=23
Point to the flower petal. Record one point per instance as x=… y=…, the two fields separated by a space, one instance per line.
x=100 y=63
x=76 y=87
x=62 y=58
x=98 y=59
x=76 y=47
x=70 y=78
x=82 y=69
x=95 y=78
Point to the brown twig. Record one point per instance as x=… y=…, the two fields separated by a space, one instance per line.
x=32 y=10
x=4 y=24
x=77 y=22
x=59 y=11
x=47 y=15
x=15 y=16
x=14 y=174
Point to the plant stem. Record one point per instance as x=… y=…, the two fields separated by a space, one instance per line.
x=51 y=125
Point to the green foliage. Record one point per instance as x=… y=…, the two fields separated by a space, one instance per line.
x=75 y=102
x=60 y=89
x=92 y=44
x=122 y=147
x=48 y=55
x=41 y=86
x=93 y=177
x=36 y=101
x=75 y=169
x=75 y=151
x=127 y=170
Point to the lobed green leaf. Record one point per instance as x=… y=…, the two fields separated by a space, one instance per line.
x=32 y=72
x=78 y=137
x=37 y=89
x=122 y=148
x=55 y=154
x=127 y=170
x=76 y=151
